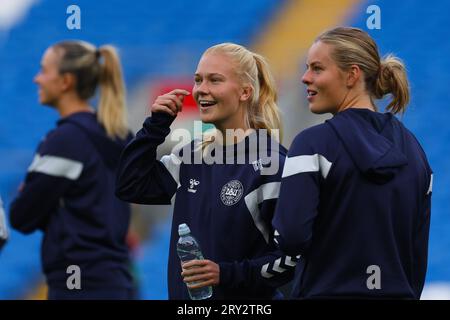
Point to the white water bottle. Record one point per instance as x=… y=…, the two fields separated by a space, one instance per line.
x=188 y=249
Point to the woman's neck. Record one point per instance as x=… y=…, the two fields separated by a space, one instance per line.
x=356 y=101
x=69 y=105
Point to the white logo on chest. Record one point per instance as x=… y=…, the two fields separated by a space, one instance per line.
x=193 y=184
x=231 y=192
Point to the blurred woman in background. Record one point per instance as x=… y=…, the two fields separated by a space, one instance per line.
x=356 y=191
x=68 y=192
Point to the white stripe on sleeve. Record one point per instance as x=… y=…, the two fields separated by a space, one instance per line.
x=172 y=163
x=3 y=227
x=56 y=166
x=310 y=163
x=430 y=187
x=253 y=199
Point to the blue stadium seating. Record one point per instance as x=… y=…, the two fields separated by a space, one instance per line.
x=151 y=264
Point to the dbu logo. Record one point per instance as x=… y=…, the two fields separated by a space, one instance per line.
x=231 y=192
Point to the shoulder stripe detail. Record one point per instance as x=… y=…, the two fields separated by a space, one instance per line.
x=253 y=199
x=309 y=163
x=56 y=166
x=172 y=163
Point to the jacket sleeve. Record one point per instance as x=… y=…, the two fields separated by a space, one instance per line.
x=55 y=167
x=294 y=217
x=273 y=269
x=141 y=178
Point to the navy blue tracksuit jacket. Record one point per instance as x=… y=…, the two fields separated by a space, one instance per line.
x=355 y=197
x=69 y=195
x=228 y=207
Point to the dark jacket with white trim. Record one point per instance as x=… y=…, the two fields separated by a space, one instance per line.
x=69 y=194
x=355 y=203
x=228 y=208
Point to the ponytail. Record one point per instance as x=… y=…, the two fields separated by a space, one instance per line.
x=392 y=79
x=83 y=60
x=267 y=115
x=111 y=111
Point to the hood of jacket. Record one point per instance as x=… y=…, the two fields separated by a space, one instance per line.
x=373 y=140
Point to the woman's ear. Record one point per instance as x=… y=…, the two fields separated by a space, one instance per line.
x=246 y=93
x=68 y=81
x=353 y=75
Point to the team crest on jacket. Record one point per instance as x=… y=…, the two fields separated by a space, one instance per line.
x=231 y=192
